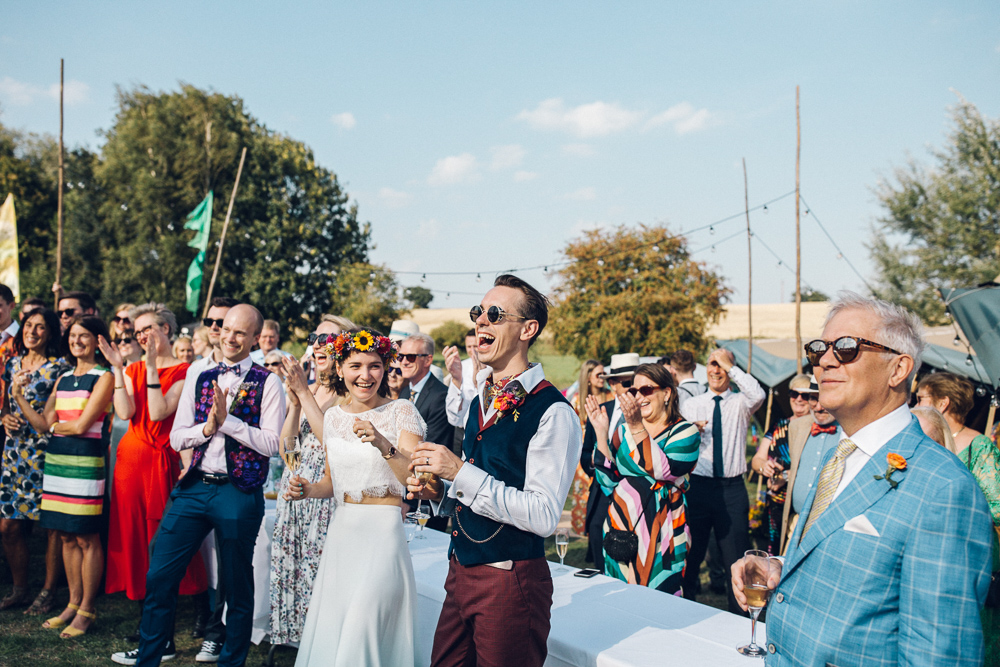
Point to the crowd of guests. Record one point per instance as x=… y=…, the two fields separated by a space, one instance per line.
x=142 y=448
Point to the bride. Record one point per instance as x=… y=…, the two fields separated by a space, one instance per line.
x=364 y=599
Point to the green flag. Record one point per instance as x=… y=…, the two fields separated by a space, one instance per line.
x=200 y=220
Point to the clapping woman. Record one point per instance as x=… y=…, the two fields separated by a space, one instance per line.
x=146 y=395
x=73 y=485
x=643 y=467
x=38 y=361
x=300 y=528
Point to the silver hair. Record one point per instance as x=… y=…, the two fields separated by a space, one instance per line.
x=161 y=314
x=896 y=327
x=423 y=338
x=940 y=431
x=273 y=355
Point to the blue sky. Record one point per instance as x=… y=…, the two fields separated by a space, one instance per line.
x=480 y=137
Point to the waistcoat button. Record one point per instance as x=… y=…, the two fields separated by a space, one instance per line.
x=770 y=648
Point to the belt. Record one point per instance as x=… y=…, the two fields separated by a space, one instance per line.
x=212 y=478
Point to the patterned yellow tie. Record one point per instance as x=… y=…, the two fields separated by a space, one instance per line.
x=829 y=480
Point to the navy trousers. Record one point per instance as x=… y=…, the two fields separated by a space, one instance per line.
x=197 y=509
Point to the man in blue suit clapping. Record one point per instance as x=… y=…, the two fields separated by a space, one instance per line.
x=890 y=561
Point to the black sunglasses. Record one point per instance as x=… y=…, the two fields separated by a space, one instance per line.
x=648 y=390
x=273 y=364
x=800 y=394
x=626 y=383
x=494 y=314
x=394 y=370
x=845 y=349
x=66 y=312
x=118 y=320
x=412 y=358
x=123 y=340
x=322 y=339
x=208 y=322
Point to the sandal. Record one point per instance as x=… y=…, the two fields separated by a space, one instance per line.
x=17 y=598
x=57 y=622
x=71 y=633
x=43 y=603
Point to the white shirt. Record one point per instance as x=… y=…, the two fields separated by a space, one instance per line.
x=186 y=434
x=459 y=398
x=9 y=332
x=870 y=439
x=553 y=454
x=737 y=410
x=257 y=356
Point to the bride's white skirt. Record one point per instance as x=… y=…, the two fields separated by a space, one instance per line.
x=364 y=599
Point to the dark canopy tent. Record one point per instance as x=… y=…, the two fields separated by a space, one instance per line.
x=976 y=311
x=953 y=360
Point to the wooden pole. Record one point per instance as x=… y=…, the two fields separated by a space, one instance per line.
x=767 y=417
x=59 y=197
x=746 y=205
x=798 y=240
x=222 y=238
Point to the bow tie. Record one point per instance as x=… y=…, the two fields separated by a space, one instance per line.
x=817 y=429
x=223 y=369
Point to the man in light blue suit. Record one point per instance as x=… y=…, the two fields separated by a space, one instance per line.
x=890 y=561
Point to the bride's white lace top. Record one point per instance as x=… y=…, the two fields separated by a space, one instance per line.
x=357 y=467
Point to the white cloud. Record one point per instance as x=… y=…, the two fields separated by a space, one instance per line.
x=429 y=229
x=454 y=169
x=583 y=194
x=507 y=157
x=344 y=121
x=579 y=150
x=394 y=198
x=524 y=176
x=595 y=119
x=683 y=117
x=19 y=93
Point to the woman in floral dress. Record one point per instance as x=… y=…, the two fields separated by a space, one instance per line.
x=300 y=528
x=38 y=348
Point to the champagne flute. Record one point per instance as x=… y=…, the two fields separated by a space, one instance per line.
x=756 y=570
x=292 y=455
x=562 y=544
x=410 y=525
x=421 y=518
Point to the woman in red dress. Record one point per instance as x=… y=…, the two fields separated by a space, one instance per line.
x=146 y=469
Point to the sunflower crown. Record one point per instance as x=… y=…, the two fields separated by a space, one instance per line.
x=364 y=340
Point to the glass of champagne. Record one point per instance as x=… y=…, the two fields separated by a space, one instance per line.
x=562 y=544
x=421 y=518
x=292 y=455
x=410 y=525
x=756 y=570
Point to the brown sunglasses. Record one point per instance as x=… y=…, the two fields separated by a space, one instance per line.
x=845 y=349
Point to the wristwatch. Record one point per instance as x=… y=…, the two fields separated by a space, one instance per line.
x=392 y=452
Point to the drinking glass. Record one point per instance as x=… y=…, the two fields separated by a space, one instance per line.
x=562 y=544
x=421 y=518
x=756 y=570
x=410 y=526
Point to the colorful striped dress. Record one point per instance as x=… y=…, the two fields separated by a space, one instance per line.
x=652 y=473
x=73 y=485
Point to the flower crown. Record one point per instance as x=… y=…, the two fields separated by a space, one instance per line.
x=365 y=340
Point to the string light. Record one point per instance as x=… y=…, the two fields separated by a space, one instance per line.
x=957 y=341
x=600 y=262
x=968 y=360
x=765 y=208
x=711 y=230
x=479 y=278
x=656 y=248
x=423 y=278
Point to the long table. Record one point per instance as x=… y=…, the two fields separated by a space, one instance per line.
x=596 y=622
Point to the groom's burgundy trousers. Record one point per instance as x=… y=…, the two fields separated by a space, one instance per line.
x=493 y=617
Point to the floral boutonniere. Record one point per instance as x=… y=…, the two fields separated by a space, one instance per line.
x=508 y=398
x=896 y=462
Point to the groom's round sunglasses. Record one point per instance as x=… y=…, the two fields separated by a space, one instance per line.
x=845 y=349
x=494 y=314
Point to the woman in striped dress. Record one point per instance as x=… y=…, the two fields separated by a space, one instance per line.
x=644 y=470
x=73 y=484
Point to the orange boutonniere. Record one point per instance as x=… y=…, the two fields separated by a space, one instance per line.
x=896 y=462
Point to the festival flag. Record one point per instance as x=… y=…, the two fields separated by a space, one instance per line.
x=9 y=268
x=200 y=220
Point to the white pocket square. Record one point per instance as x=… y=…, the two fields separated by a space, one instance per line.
x=861 y=524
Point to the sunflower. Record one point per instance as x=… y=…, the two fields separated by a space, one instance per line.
x=363 y=341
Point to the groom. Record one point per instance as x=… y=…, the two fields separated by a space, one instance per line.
x=522 y=444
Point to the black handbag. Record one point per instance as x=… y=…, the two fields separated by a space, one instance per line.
x=623 y=545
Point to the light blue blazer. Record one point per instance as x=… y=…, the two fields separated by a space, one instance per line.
x=911 y=595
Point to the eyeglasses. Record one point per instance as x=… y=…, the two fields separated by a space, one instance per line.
x=626 y=383
x=66 y=312
x=494 y=314
x=321 y=339
x=805 y=396
x=120 y=320
x=209 y=322
x=845 y=349
x=122 y=340
x=395 y=370
x=273 y=364
x=144 y=332
x=412 y=358
x=647 y=391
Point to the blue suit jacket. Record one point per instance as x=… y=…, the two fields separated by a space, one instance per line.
x=910 y=596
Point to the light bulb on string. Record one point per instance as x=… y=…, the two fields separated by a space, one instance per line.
x=780 y=263
x=371 y=276
x=765 y=208
x=656 y=248
x=600 y=262
x=711 y=230
x=447 y=295
x=968 y=360
x=423 y=278
x=713 y=248
x=947 y=314
x=980 y=391
x=957 y=341
x=479 y=278
x=807 y=211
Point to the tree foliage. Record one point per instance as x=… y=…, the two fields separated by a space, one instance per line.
x=633 y=290
x=940 y=224
x=420 y=297
x=366 y=294
x=450 y=333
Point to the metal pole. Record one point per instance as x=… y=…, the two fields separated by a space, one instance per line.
x=746 y=204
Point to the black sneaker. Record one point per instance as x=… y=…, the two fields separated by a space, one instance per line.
x=132 y=657
x=209 y=651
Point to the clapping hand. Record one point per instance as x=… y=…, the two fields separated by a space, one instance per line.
x=295 y=377
x=110 y=352
x=217 y=415
x=598 y=417
x=630 y=410
x=453 y=362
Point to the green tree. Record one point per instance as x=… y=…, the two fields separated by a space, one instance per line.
x=633 y=290
x=420 y=297
x=291 y=226
x=450 y=333
x=809 y=294
x=940 y=224
x=366 y=294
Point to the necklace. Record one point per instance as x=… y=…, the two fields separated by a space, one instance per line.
x=955 y=434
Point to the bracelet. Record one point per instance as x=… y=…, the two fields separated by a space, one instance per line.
x=153 y=386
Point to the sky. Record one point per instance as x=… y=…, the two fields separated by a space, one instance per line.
x=483 y=137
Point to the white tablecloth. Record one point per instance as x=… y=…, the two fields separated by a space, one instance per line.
x=597 y=622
